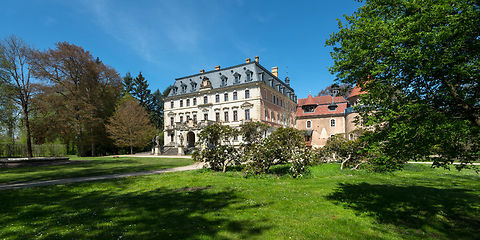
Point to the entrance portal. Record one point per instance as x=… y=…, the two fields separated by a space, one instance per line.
x=190 y=139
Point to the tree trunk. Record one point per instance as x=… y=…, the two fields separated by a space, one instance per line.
x=131 y=150
x=27 y=133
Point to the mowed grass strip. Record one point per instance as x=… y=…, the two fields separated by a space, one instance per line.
x=88 y=166
x=417 y=203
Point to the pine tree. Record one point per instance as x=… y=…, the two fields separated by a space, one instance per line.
x=141 y=91
x=127 y=83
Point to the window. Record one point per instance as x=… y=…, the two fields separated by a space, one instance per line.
x=247 y=114
x=225 y=97
x=205 y=100
x=217 y=98
x=237 y=77
x=235 y=138
x=249 y=76
x=266 y=114
x=225 y=114
x=188 y=102
x=195 y=117
x=235 y=97
x=194 y=101
x=309 y=124
x=171 y=104
x=308 y=109
x=273 y=116
x=181 y=118
x=235 y=115
x=171 y=137
x=217 y=116
x=247 y=94
x=224 y=81
x=172 y=121
x=262 y=77
x=278 y=117
x=205 y=116
x=350 y=136
x=332 y=122
x=181 y=103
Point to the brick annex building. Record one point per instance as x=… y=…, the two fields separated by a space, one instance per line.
x=325 y=116
x=230 y=96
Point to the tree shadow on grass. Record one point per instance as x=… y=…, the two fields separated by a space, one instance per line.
x=418 y=210
x=83 y=213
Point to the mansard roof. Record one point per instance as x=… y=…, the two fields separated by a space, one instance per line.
x=192 y=83
x=320 y=100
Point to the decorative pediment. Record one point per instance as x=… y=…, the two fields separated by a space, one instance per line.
x=206 y=84
x=171 y=114
x=246 y=105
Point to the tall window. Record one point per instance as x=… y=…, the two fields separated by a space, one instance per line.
x=195 y=117
x=217 y=116
x=181 y=103
x=194 y=101
x=309 y=124
x=247 y=93
x=332 y=122
x=205 y=116
x=266 y=114
x=247 y=114
x=172 y=137
x=225 y=97
x=171 y=104
x=181 y=119
x=172 y=121
x=225 y=114
x=217 y=98
x=273 y=116
x=205 y=100
x=188 y=102
x=235 y=115
x=235 y=97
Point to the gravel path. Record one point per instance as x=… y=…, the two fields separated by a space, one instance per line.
x=96 y=178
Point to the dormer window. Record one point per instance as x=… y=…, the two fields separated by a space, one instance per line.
x=237 y=77
x=193 y=85
x=249 y=75
x=224 y=81
x=262 y=77
x=175 y=89
x=184 y=87
x=309 y=109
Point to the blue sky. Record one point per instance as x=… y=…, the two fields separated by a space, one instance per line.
x=170 y=39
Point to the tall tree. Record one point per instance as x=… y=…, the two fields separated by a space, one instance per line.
x=88 y=90
x=156 y=107
x=419 y=61
x=141 y=91
x=130 y=126
x=8 y=111
x=15 y=63
x=128 y=83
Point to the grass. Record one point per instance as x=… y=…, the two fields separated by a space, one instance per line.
x=87 y=167
x=417 y=203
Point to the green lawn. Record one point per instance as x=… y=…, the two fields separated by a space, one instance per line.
x=418 y=203
x=90 y=166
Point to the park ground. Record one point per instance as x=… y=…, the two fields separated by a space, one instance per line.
x=417 y=203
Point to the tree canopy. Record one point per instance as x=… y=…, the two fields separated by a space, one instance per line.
x=419 y=61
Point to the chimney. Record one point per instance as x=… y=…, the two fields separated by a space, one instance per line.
x=257 y=59
x=247 y=60
x=217 y=67
x=275 y=71
x=202 y=71
x=287 y=81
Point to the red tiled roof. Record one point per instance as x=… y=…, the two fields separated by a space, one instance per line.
x=309 y=100
x=322 y=103
x=320 y=100
x=356 y=91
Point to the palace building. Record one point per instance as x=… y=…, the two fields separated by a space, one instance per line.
x=230 y=96
x=325 y=116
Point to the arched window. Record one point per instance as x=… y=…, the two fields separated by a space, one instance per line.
x=350 y=136
x=332 y=122
x=247 y=93
x=309 y=124
x=205 y=100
